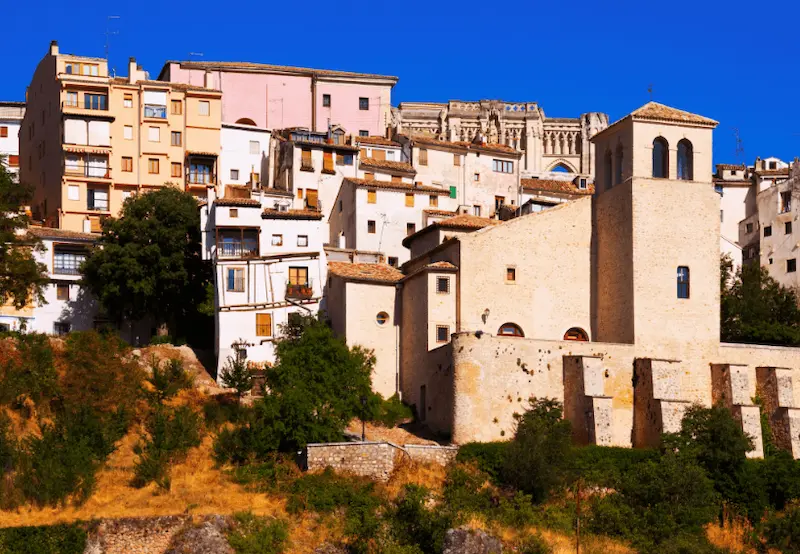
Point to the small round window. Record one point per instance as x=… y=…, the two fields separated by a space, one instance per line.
x=382 y=318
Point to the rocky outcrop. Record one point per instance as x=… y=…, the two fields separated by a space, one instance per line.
x=466 y=541
x=206 y=537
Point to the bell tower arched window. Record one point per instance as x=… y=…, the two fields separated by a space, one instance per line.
x=618 y=166
x=660 y=158
x=685 y=161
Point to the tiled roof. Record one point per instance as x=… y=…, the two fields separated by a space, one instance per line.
x=375 y=273
x=660 y=112
x=466 y=221
x=163 y=84
x=347 y=147
x=731 y=167
x=277 y=192
x=270 y=213
x=378 y=140
x=555 y=185
x=389 y=165
x=52 y=233
x=269 y=68
x=769 y=172
x=441 y=265
x=388 y=185
x=733 y=182
x=242 y=202
x=439 y=213
x=464 y=145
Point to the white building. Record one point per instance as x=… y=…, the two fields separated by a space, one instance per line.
x=243 y=156
x=268 y=264
x=11 y=114
x=68 y=306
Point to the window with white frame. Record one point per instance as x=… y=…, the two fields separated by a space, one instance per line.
x=502 y=166
x=154 y=134
x=302 y=240
x=255 y=147
x=127 y=132
x=204 y=107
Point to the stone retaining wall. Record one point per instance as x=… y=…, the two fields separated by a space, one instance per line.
x=371 y=459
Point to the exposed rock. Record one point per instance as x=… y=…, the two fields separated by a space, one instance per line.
x=208 y=537
x=466 y=541
x=330 y=549
x=150 y=535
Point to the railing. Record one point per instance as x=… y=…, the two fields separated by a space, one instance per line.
x=201 y=179
x=236 y=250
x=101 y=106
x=66 y=270
x=299 y=291
x=97 y=207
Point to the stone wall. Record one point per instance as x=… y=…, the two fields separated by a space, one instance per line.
x=375 y=460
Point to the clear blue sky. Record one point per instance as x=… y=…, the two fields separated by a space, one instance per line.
x=735 y=61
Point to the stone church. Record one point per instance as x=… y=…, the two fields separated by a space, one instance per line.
x=553 y=147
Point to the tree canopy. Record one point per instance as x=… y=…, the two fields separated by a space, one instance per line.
x=22 y=278
x=148 y=261
x=754 y=308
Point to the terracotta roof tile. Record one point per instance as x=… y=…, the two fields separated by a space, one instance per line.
x=654 y=110
x=163 y=84
x=241 y=202
x=464 y=145
x=52 y=233
x=267 y=68
x=770 y=172
x=270 y=213
x=439 y=213
x=734 y=182
x=378 y=140
x=331 y=146
x=376 y=273
x=403 y=167
x=441 y=265
x=388 y=185
x=555 y=185
x=466 y=221
x=731 y=166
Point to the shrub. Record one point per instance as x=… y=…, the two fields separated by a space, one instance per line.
x=32 y=372
x=604 y=465
x=237 y=375
x=464 y=490
x=267 y=476
x=325 y=492
x=168 y=378
x=8 y=446
x=391 y=412
x=414 y=524
x=257 y=535
x=50 y=539
x=782 y=531
x=534 y=544
x=537 y=458
x=488 y=456
x=160 y=339
x=220 y=409
x=170 y=434
x=257 y=438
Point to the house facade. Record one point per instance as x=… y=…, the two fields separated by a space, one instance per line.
x=89 y=140
x=244 y=156
x=11 y=115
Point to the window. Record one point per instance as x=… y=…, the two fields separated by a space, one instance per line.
x=660 y=158
x=204 y=107
x=791 y=265
x=13 y=160
x=154 y=134
x=235 y=281
x=510 y=330
x=233 y=212
x=175 y=138
x=300 y=194
x=582 y=184
x=61 y=328
x=97 y=200
x=620 y=160
x=773 y=165
x=363 y=103
x=73 y=192
x=476 y=177
x=277 y=240
x=442 y=333
x=499 y=201
x=298 y=276
x=390 y=155
x=305 y=160
x=457 y=159
x=255 y=147
x=501 y=166
x=423 y=156
x=175 y=170
x=734 y=172
x=372 y=196
x=576 y=333
x=127 y=164
x=363 y=133
x=152 y=166
x=719 y=189
x=176 y=107
x=409 y=199
x=786 y=201
x=368 y=176
x=748 y=228
x=344 y=159
x=787 y=228
x=511 y=274
x=327 y=162
x=67 y=261
x=72 y=102
x=62 y=292
x=127 y=132
x=155 y=111
x=95 y=101
x=476 y=210
x=302 y=240
x=234 y=174
x=76 y=68
x=433 y=201
x=607 y=170
x=200 y=172
x=442 y=285
x=382 y=318
x=683 y=281
x=393 y=261
x=263 y=325
x=768 y=231
x=411 y=228
x=311 y=199
x=371 y=227
x=685 y=161
x=326 y=100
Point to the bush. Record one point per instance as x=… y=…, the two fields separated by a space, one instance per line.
x=257 y=535
x=170 y=434
x=161 y=339
x=237 y=375
x=782 y=531
x=534 y=544
x=391 y=412
x=325 y=492
x=490 y=457
x=31 y=373
x=414 y=524
x=464 y=490
x=168 y=378
x=50 y=539
x=257 y=438
x=269 y=476
x=603 y=466
x=8 y=446
x=220 y=409
x=537 y=459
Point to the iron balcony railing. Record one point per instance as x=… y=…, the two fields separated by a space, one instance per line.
x=237 y=249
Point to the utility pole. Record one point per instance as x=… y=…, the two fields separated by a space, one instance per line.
x=739 y=152
x=578 y=499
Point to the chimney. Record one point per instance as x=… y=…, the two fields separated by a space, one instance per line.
x=132 y=70
x=54 y=48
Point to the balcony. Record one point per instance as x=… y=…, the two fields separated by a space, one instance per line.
x=299 y=291
x=93 y=172
x=236 y=249
x=65 y=270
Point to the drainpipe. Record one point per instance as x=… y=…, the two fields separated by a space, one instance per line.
x=398 y=288
x=313 y=101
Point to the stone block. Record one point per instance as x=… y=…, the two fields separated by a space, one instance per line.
x=750 y=417
x=658 y=406
x=776 y=389
x=585 y=403
x=731 y=386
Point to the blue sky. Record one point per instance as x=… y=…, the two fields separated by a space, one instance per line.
x=734 y=61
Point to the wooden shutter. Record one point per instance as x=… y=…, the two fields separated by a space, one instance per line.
x=311 y=198
x=327 y=161
x=397 y=179
x=433 y=201
x=306 y=160
x=378 y=154
x=369 y=176
x=410 y=199
x=263 y=325
x=96 y=226
x=423 y=156
x=372 y=196
x=364 y=153
x=457 y=159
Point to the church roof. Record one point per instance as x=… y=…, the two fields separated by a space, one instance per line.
x=660 y=112
x=364 y=272
x=462 y=222
x=554 y=185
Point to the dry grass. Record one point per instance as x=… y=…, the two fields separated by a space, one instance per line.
x=406 y=472
x=731 y=536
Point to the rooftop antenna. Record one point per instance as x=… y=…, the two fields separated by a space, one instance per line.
x=739 y=152
x=650 y=91
x=109 y=34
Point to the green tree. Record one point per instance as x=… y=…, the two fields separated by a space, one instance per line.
x=148 y=261
x=537 y=459
x=754 y=308
x=237 y=375
x=22 y=278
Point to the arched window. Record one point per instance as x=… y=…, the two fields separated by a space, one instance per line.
x=685 y=161
x=660 y=158
x=561 y=168
x=683 y=281
x=607 y=170
x=245 y=121
x=382 y=318
x=510 y=330
x=576 y=333
x=618 y=166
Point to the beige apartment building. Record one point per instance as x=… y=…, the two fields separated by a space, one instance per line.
x=90 y=140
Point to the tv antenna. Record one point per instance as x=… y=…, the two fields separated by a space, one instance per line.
x=739 y=152
x=650 y=91
x=109 y=33
x=195 y=54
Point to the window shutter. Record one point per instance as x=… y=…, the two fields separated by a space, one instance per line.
x=96 y=226
x=311 y=198
x=372 y=197
x=378 y=154
x=452 y=192
x=327 y=161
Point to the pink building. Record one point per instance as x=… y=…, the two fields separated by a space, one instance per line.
x=278 y=97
